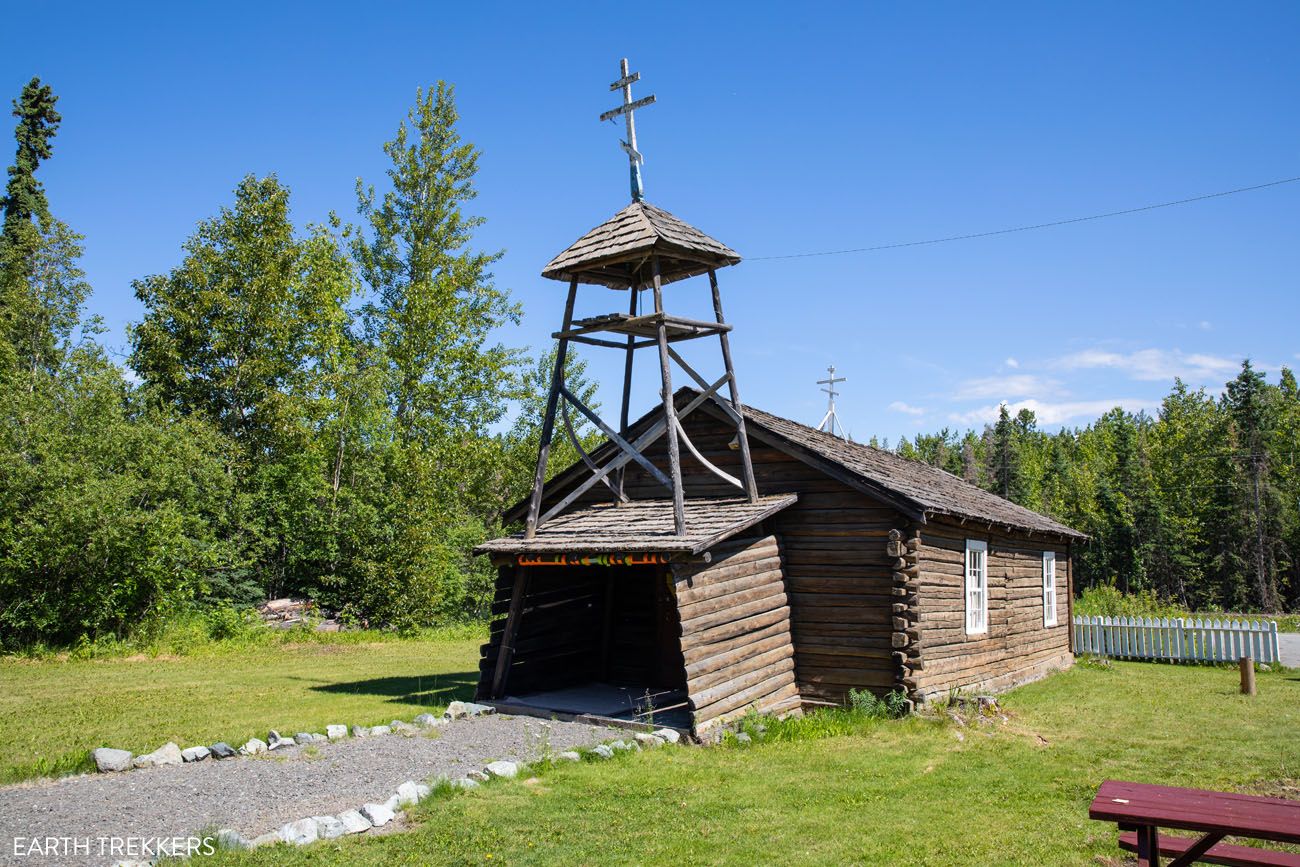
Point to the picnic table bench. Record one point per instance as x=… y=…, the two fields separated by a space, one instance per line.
x=1142 y=810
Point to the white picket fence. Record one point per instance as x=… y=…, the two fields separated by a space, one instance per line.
x=1176 y=638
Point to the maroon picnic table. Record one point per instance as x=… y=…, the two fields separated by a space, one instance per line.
x=1142 y=810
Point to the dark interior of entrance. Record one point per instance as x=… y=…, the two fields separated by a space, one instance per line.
x=599 y=640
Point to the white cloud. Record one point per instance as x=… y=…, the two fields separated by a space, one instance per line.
x=1205 y=325
x=1004 y=387
x=1150 y=365
x=1012 y=363
x=899 y=406
x=1054 y=413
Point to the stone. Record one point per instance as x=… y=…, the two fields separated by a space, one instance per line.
x=742 y=738
x=167 y=754
x=328 y=827
x=393 y=803
x=360 y=731
x=568 y=756
x=477 y=776
x=274 y=741
x=379 y=815
x=301 y=832
x=668 y=736
x=303 y=738
x=464 y=783
x=270 y=838
x=195 y=754
x=334 y=732
x=229 y=838
x=108 y=759
x=502 y=769
x=426 y=720
x=381 y=730
x=623 y=746
x=253 y=747
x=648 y=740
x=354 y=822
x=463 y=709
x=403 y=728
x=407 y=794
x=604 y=751
x=222 y=750
x=423 y=791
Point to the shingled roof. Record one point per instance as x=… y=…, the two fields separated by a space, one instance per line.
x=641 y=526
x=913 y=487
x=617 y=252
x=931 y=490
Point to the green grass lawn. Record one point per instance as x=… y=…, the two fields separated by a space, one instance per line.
x=889 y=792
x=56 y=710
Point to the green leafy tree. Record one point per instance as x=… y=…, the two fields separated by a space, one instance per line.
x=251 y=332
x=28 y=230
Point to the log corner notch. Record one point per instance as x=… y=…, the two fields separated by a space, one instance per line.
x=904 y=549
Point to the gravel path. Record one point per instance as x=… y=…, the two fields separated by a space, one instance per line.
x=258 y=794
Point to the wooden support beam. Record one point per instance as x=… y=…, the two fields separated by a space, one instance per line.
x=640 y=443
x=587 y=459
x=627 y=388
x=670 y=411
x=548 y=422
x=747 y=466
x=506 y=651
x=722 y=474
x=617 y=440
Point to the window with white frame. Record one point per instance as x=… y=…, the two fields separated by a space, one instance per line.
x=977 y=587
x=1049 y=588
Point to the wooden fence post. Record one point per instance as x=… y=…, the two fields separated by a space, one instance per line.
x=1247 y=666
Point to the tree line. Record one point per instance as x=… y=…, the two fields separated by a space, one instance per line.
x=1198 y=504
x=318 y=410
x=309 y=410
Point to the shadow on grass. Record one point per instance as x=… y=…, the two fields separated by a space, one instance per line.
x=428 y=690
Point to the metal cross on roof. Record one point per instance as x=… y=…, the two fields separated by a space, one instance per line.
x=634 y=157
x=831 y=420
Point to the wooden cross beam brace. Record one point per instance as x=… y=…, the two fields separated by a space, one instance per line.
x=640 y=443
x=690 y=446
x=586 y=458
x=703 y=383
x=623 y=444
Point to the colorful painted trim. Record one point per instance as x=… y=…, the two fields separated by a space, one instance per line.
x=594 y=560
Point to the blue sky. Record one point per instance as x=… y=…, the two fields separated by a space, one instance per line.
x=780 y=129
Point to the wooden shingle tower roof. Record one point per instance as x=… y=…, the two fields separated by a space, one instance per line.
x=617 y=253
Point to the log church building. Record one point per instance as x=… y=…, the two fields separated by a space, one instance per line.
x=710 y=558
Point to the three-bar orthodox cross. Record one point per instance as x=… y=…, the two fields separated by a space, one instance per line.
x=832 y=419
x=626 y=109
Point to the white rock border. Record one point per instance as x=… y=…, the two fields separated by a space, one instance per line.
x=361 y=819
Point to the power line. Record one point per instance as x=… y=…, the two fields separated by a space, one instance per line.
x=1014 y=229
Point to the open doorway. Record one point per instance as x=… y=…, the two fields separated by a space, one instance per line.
x=602 y=641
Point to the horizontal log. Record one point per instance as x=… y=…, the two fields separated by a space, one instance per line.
x=774 y=598
x=726 y=683
x=700 y=653
x=756 y=693
x=734 y=628
x=739 y=656
x=763 y=585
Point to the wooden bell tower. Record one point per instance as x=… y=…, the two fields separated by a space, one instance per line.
x=641 y=248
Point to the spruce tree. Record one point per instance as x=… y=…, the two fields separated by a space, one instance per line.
x=27 y=220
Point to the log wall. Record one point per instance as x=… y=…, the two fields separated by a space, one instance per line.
x=1017 y=646
x=735 y=633
x=837 y=575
